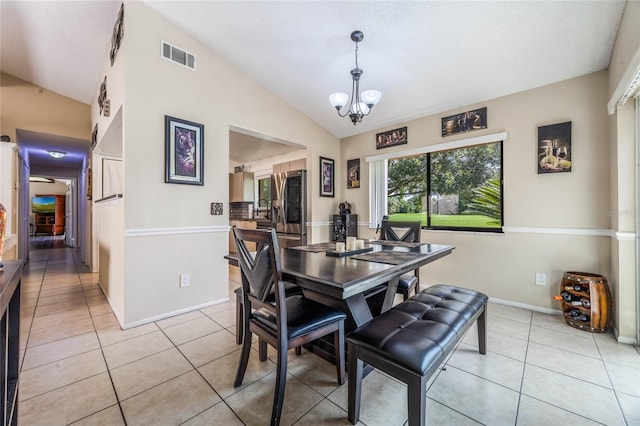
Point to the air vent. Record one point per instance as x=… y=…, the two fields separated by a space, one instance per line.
x=179 y=56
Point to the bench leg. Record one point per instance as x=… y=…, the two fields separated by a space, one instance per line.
x=482 y=331
x=417 y=399
x=355 y=384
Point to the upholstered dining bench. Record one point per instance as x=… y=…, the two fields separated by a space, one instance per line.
x=410 y=340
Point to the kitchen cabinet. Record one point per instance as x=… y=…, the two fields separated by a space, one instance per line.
x=244 y=224
x=241 y=187
x=288 y=166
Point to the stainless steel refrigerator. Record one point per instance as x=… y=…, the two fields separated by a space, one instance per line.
x=289 y=207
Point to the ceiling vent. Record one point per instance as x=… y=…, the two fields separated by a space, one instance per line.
x=179 y=56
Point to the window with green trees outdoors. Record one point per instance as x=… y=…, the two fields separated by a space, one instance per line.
x=456 y=189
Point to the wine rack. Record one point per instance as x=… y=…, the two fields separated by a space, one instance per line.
x=586 y=301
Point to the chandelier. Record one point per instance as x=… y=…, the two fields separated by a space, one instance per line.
x=361 y=103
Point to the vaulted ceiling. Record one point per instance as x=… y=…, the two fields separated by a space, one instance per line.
x=425 y=56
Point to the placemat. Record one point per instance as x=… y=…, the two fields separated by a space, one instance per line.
x=316 y=248
x=390 y=257
x=392 y=243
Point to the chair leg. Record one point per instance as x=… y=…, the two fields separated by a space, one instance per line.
x=482 y=331
x=281 y=381
x=298 y=350
x=355 y=385
x=239 y=318
x=244 y=360
x=262 y=350
x=338 y=344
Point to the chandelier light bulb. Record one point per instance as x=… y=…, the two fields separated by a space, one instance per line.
x=371 y=97
x=338 y=100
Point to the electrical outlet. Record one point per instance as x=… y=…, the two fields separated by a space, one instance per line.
x=184 y=280
x=541 y=278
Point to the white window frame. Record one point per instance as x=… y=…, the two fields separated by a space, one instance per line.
x=378 y=166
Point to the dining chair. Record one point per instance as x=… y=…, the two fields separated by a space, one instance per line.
x=283 y=323
x=408 y=232
x=290 y=289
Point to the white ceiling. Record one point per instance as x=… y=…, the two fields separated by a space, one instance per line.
x=425 y=56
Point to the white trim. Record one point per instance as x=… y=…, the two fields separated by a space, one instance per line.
x=153 y=232
x=173 y=313
x=559 y=231
x=625 y=236
x=525 y=306
x=319 y=223
x=622 y=339
x=443 y=146
x=625 y=83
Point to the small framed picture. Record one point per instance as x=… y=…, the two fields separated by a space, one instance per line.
x=327 y=173
x=391 y=138
x=184 y=147
x=353 y=173
x=474 y=119
x=554 y=148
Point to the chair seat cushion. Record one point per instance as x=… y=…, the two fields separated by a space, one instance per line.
x=303 y=316
x=407 y=282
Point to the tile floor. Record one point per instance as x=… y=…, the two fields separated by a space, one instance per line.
x=80 y=368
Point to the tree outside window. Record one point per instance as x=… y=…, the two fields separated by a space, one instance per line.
x=456 y=189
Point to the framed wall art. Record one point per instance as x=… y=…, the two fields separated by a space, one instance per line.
x=391 y=138
x=116 y=37
x=554 y=148
x=353 y=173
x=475 y=119
x=184 y=151
x=327 y=175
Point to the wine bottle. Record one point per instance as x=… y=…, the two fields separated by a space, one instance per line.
x=576 y=315
x=578 y=287
x=585 y=302
x=570 y=298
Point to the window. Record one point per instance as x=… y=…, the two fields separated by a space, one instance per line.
x=456 y=187
x=465 y=188
x=264 y=192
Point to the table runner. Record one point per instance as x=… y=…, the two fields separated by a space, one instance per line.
x=316 y=248
x=390 y=257
x=393 y=243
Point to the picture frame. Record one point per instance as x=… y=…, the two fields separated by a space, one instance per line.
x=116 y=36
x=184 y=151
x=467 y=121
x=353 y=173
x=327 y=177
x=554 y=148
x=391 y=138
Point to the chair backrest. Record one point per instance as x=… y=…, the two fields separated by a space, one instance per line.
x=388 y=231
x=261 y=271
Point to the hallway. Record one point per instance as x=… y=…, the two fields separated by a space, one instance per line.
x=80 y=368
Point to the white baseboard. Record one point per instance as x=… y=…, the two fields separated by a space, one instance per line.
x=525 y=306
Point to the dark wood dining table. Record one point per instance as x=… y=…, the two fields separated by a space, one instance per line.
x=362 y=285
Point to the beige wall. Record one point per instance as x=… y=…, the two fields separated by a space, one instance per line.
x=29 y=107
x=553 y=223
x=167 y=227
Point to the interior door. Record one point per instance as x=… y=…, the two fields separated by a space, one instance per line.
x=69 y=232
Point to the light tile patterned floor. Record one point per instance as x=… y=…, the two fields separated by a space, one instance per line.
x=79 y=367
